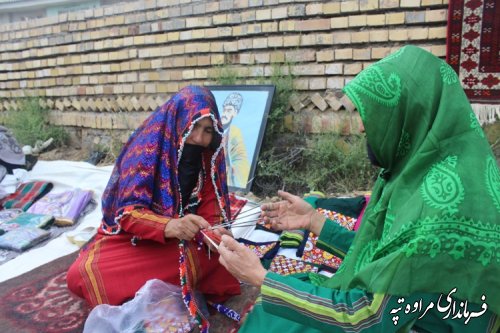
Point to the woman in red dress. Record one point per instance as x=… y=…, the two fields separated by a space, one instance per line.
x=168 y=183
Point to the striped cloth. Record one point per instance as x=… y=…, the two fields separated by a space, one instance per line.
x=26 y=194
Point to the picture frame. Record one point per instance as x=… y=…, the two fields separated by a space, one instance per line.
x=243 y=110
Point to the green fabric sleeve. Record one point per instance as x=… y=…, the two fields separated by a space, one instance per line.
x=312 y=201
x=335 y=239
x=291 y=301
x=321 y=308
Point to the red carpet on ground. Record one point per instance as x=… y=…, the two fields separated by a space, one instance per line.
x=39 y=301
x=473 y=46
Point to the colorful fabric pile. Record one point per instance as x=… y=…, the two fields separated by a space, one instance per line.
x=29 y=212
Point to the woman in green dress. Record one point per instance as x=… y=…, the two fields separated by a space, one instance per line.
x=427 y=254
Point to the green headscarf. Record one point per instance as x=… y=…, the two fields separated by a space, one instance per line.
x=433 y=222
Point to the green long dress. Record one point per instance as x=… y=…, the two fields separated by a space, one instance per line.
x=426 y=255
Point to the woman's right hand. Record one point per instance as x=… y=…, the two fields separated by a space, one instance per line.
x=185 y=227
x=292 y=213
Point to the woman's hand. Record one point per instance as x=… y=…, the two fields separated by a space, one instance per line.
x=240 y=261
x=218 y=232
x=292 y=213
x=185 y=227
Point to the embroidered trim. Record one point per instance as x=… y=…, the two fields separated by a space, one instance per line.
x=187 y=293
x=92 y=276
x=214 y=183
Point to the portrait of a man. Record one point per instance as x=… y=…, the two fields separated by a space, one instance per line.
x=237 y=162
x=243 y=111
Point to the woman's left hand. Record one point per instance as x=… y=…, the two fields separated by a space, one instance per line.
x=241 y=262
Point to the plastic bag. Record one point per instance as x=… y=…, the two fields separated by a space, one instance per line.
x=156 y=307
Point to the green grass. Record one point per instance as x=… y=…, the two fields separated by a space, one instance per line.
x=30 y=123
x=326 y=162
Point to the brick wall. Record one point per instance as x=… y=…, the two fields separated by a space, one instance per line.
x=109 y=67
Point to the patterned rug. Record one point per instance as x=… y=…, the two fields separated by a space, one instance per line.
x=39 y=301
x=473 y=46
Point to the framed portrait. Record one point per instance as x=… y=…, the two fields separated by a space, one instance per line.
x=243 y=111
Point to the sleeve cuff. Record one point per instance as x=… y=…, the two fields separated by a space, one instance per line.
x=335 y=238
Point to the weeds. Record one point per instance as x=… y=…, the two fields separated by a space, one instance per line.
x=492 y=132
x=30 y=123
x=111 y=144
x=339 y=164
x=325 y=162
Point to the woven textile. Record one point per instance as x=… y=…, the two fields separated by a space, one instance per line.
x=236 y=204
x=26 y=194
x=286 y=266
x=66 y=207
x=266 y=250
x=313 y=254
x=473 y=46
x=21 y=239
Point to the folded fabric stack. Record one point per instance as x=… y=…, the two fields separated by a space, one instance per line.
x=9 y=214
x=21 y=230
x=24 y=231
x=27 y=220
x=26 y=194
x=31 y=209
x=66 y=207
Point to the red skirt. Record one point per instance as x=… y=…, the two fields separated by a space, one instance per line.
x=110 y=270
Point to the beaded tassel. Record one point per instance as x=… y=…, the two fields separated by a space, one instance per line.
x=187 y=295
x=230 y=313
